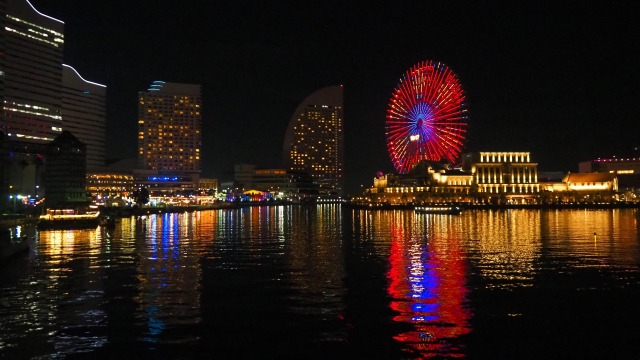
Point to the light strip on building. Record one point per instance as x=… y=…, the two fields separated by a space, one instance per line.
x=47 y=16
x=80 y=76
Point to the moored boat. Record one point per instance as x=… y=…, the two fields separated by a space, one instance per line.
x=438 y=209
x=68 y=219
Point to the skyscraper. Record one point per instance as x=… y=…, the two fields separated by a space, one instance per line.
x=83 y=114
x=39 y=98
x=314 y=141
x=31 y=73
x=169 y=118
x=169 y=139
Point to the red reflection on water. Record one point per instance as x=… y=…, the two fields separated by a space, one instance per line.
x=427 y=285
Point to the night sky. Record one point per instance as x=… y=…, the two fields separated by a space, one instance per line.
x=558 y=79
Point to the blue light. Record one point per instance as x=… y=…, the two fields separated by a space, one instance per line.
x=424 y=308
x=421 y=117
x=164 y=178
x=424 y=318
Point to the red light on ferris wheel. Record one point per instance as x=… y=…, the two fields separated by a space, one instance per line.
x=426 y=117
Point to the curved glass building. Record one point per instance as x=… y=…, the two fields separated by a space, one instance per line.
x=314 y=142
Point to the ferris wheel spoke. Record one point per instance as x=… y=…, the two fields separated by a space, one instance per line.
x=426 y=116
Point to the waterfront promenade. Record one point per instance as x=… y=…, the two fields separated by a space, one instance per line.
x=10 y=220
x=485 y=206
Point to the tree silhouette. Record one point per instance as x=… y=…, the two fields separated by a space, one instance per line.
x=141 y=196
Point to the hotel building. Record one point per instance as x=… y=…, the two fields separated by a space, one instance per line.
x=169 y=138
x=83 y=114
x=314 y=141
x=30 y=73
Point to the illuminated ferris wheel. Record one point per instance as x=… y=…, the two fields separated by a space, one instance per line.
x=426 y=117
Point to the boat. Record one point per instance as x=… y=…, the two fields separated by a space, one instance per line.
x=68 y=219
x=14 y=247
x=438 y=209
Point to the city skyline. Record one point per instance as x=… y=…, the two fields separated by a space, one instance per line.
x=550 y=78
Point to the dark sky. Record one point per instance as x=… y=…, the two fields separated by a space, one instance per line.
x=559 y=79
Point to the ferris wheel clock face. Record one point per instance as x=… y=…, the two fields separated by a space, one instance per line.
x=426 y=117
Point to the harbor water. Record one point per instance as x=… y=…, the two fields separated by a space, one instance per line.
x=330 y=282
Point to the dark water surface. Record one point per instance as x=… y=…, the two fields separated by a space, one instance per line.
x=328 y=282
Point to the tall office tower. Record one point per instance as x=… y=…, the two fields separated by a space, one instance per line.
x=314 y=141
x=83 y=114
x=31 y=68
x=169 y=116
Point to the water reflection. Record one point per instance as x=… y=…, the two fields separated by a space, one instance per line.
x=507 y=243
x=606 y=235
x=300 y=281
x=273 y=280
x=168 y=275
x=72 y=293
x=427 y=285
x=316 y=260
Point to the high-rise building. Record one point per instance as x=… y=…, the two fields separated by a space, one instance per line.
x=169 y=138
x=169 y=116
x=314 y=141
x=30 y=73
x=83 y=114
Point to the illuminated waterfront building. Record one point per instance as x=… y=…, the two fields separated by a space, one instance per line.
x=485 y=177
x=286 y=184
x=623 y=165
x=109 y=185
x=504 y=176
x=591 y=182
x=166 y=183
x=581 y=187
x=21 y=165
x=169 y=138
x=427 y=182
x=208 y=185
x=314 y=141
x=626 y=168
x=83 y=114
x=281 y=184
x=614 y=179
x=30 y=73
